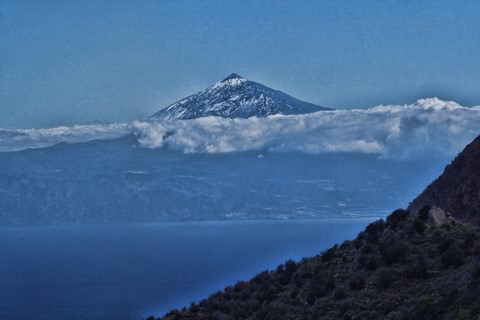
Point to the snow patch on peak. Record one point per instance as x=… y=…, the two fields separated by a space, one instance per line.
x=232 y=80
x=233 y=76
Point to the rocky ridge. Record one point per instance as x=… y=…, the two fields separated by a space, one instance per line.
x=457 y=190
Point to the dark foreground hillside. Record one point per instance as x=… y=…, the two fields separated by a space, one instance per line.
x=424 y=267
x=418 y=264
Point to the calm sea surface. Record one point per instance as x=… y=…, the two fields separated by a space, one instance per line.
x=135 y=270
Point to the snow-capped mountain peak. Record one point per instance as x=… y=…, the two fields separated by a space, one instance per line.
x=232 y=80
x=235 y=97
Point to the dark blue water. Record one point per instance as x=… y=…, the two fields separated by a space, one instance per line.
x=132 y=271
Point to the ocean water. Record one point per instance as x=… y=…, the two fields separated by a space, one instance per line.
x=74 y=242
x=130 y=271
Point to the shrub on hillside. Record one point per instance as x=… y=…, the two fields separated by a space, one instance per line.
x=269 y=312
x=328 y=255
x=423 y=213
x=368 y=262
x=374 y=231
x=290 y=266
x=262 y=277
x=371 y=264
x=476 y=271
x=453 y=256
x=366 y=249
x=419 y=268
x=419 y=226
x=280 y=268
x=397 y=216
x=357 y=283
x=317 y=286
x=339 y=294
x=384 y=279
x=392 y=251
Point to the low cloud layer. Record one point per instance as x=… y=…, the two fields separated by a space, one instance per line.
x=15 y=140
x=428 y=128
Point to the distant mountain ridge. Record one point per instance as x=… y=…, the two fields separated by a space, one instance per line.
x=457 y=190
x=236 y=97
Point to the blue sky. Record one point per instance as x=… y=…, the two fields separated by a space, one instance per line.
x=67 y=62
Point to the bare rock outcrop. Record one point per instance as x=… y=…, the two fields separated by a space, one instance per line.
x=457 y=190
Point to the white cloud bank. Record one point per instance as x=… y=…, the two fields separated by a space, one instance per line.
x=15 y=140
x=428 y=128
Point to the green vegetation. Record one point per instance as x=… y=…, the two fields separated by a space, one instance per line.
x=401 y=268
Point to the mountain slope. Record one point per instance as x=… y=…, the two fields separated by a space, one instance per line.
x=404 y=268
x=235 y=97
x=457 y=190
x=411 y=266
